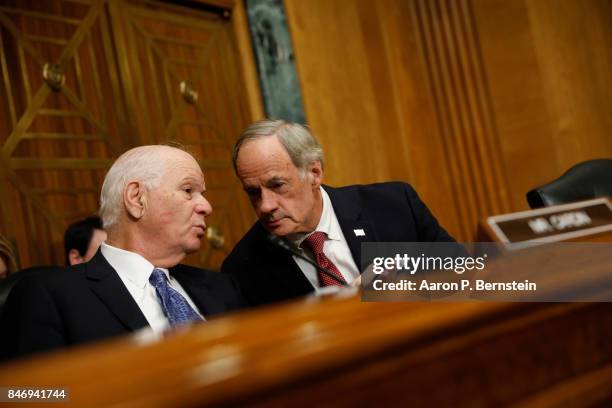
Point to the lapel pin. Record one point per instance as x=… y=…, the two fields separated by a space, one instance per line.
x=359 y=233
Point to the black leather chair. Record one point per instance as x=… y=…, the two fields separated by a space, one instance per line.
x=586 y=180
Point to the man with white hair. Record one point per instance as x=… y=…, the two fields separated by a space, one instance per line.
x=154 y=210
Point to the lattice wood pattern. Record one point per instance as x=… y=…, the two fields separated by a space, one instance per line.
x=123 y=64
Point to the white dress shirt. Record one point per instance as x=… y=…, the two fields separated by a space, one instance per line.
x=335 y=247
x=134 y=271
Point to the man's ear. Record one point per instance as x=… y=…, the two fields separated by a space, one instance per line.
x=315 y=171
x=134 y=198
x=74 y=257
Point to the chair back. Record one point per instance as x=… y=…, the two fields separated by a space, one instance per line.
x=586 y=180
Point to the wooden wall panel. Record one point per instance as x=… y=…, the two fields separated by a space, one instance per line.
x=366 y=96
x=572 y=41
x=549 y=70
x=522 y=118
x=339 y=97
x=55 y=145
x=462 y=102
x=161 y=46
x=123 y=62
x=472 y=101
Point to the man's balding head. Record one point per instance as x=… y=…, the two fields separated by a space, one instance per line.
x=152 y=203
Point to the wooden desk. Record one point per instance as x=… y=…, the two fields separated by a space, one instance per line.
x=343 y=352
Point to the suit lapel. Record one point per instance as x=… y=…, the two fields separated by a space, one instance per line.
x=348 y=209
x=197 y=289
x=284 y=274
x=106 y=284
x=288 y=274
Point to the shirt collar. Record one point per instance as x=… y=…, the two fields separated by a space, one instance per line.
x=327 y=223
x=129 y=265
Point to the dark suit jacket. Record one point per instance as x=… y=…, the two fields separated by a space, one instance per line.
x=386 y=212
x=89 y=301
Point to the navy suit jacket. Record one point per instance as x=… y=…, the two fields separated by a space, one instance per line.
x=89 y=302
x=386 y=212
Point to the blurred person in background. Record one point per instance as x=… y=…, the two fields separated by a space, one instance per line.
x=82 y=240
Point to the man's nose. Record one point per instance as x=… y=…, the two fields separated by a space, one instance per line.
x=268 y=202
x=203 y=207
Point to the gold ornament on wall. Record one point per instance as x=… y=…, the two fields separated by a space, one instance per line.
x=189 y=94
x=54 y=76
x=214 y=235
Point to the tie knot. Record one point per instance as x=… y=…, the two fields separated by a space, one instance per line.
x=315 y=242
x=157 y=277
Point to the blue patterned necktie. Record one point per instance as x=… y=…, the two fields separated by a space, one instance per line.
x=175 y=306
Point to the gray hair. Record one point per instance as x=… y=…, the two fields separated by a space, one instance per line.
x=143 y=163
x=300 y=144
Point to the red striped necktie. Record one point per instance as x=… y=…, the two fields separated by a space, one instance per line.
x=315 y=243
